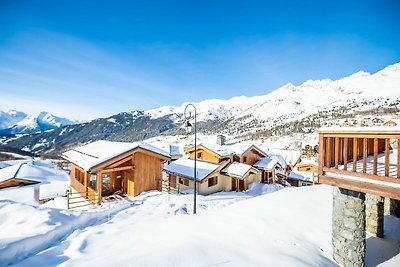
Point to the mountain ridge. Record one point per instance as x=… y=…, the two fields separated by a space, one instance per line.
x=27 y=124
x=282 y=111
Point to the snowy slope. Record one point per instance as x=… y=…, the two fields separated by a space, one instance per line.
x=38 y=122
x=291 y=227
x=297 y=101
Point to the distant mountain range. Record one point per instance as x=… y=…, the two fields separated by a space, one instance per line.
x=288 y=109
x=17 y=122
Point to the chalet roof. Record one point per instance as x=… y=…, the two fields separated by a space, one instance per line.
x=237 y=169
x=172 y=149
x=229 y=149
x=301 y=175
x=9 y=172
x=33 y=171
x=185 y=167
x=266 y=164
x=286 y=154
x=98 y=152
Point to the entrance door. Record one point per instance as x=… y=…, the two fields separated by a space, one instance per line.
x=130 y=185
x=241 y=185
x=233 y=184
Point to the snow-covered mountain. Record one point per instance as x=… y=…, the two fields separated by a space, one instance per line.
x=293 y=102
x=37 y=123
x=358 y=99
x=10 y=117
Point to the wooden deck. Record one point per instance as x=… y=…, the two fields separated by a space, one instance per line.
x=360 y=159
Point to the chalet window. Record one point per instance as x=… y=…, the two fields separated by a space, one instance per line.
x=93 y=181
x=244 y=159
x=199 y=155
x=308 y=169
x=106 y=183
x=212 y=181
x=183 y=181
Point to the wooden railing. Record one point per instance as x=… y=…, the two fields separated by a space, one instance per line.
x=80 y=199
x=360 y=159
x=166 y=186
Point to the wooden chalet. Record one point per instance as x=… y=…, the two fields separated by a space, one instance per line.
x=224 y=168
x=102 y=168
x=360 y=159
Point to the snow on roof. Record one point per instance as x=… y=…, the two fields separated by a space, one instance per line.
x=229 y=149
x=93 y=154
x=301 y=175
x=33 y=171
x=172 y=149
x=266 y=163
x=9 y=172
x=291 y=156
x=311 y=160
x=237 y=169
x=185 y=167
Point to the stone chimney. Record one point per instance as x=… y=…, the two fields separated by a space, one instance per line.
x=221 y=139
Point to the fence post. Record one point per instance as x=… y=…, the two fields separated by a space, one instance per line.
x=68 y=198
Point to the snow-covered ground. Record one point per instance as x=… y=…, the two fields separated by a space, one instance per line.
x=290 y=227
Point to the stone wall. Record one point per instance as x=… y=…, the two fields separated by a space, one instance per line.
x=392 y=207
x=348 y=227
x=374 y=206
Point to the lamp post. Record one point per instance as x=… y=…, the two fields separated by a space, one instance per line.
x=188 y=126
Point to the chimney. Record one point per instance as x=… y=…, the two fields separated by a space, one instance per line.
x=220 y=140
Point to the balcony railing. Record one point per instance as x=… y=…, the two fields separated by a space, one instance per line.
x=361 y=159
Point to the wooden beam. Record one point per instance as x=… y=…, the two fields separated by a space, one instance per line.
x=119 y=162
x=375 y=171
x=365 y=154
x=99 y=187
x=355 y=147
x=336 y=152
x=374 y=189
x=321 y=154
x=398 y=158
x=118 y=169
x=387 y=159
x=328 y=152
x=363 y=175
x=345 y=150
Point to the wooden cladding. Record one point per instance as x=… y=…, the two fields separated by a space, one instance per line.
x=360 y=161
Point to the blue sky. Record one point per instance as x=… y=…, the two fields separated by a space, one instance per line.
x=88 y=59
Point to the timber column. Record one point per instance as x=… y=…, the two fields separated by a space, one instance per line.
x=374 y=212
x=348 y=227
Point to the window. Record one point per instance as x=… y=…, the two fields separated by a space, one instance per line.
x=183 y=181
x=212 y=181
x=106 y=183
x=93 y=181
x=308 y=169
x=244 y=159
x=199 y=155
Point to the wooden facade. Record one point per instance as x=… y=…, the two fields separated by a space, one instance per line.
x=360 y=159
x=131 y=173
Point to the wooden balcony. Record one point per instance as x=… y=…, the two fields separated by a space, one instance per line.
x=361 y=159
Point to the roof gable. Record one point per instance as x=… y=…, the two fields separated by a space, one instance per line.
x=97 y=153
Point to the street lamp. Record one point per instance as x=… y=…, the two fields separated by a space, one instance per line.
x=189 y=127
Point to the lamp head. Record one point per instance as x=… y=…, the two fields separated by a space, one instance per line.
x=188 y=127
